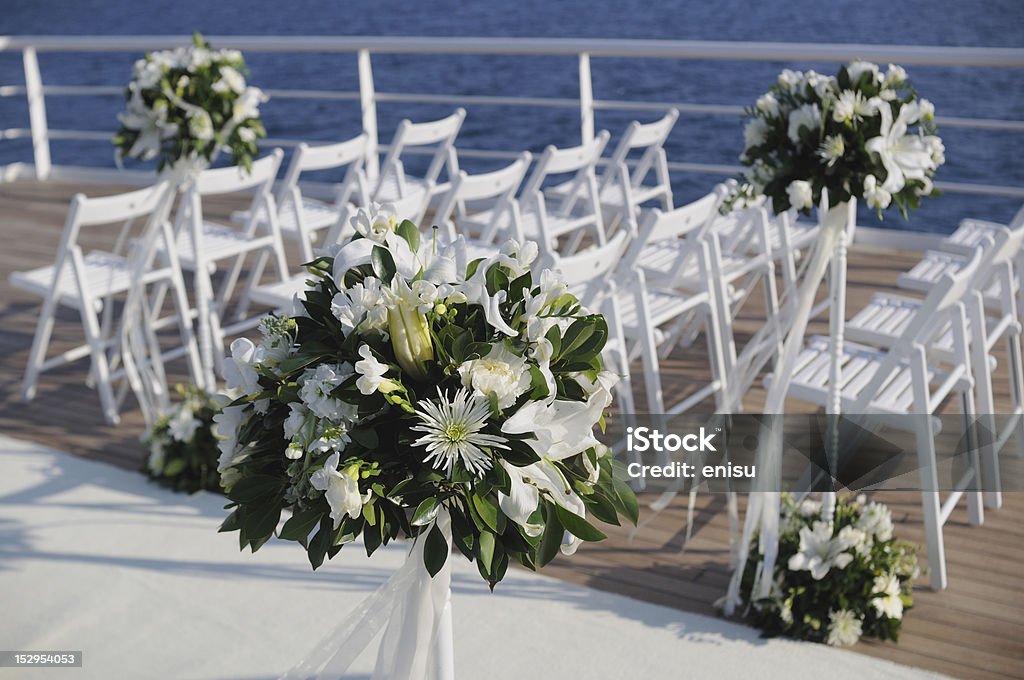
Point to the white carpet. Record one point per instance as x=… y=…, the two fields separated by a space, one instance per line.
x=97 y=559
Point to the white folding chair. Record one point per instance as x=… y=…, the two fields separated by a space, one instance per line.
x=301 y=217
x=495 y=211
x=394 y=183
x=895 y=383
x=281 y=295
x=575 y=215
x=90 y=283
x=202 y=244
x=622 y=191
x=886 y=316
x=971 y=232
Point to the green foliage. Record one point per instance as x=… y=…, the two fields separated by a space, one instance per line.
x=190 y=464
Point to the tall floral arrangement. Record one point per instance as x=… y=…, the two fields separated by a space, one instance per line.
x=840 y=574
x=183 y=450
x=188 y=104
x=862 y=134
x=411 y=382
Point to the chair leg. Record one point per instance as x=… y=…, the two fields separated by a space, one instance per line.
x=975 y=506
x=930 y=504
x=101 y=367
x=1013 y=350
x=40 y=343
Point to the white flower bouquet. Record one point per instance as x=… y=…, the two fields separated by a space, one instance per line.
x=412 y=382
x=864 y=134
x=836 y=578
x=186 y=105
x=183 y=450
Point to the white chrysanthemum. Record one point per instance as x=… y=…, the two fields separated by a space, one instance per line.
x=756 y=132
x=807 y=116
x=501 y=373
x=876 y=519
x=316 y=387
x=363 y=306
x=844 y=628
x=452 y=432
x=832 y=149
x=819 y=552
x=800 y=194
x=888 y=603
x=851 y=107
x=341 y=489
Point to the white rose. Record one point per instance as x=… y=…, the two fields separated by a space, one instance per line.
x=501 y=373
x=800 y=194
x=341 y=489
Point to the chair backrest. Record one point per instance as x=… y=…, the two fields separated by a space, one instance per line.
x=118 y=208
x=930 y=319
x=349 y=154
x=500 y=186
x=579 y=159
x=235 y=179
x=587 y=271
x=440 y=132
x=691 y=222
x=647 y=136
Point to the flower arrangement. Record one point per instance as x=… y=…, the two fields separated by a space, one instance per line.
x=183 y=451
x=187 y=104
x=836 y=578
x=862 y=134
x=411 y=382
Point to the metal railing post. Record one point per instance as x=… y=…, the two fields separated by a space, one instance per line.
x=586 y=100
x=368 y=104
x=37 y=113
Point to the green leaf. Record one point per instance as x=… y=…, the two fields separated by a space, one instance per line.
x=626 y=500
x=551 y=541
x=261 y=521
x=576 y=335
x=230 y=523
x=174 y=467
x=408 y=231
x=487 y=511
x=299 y=525
x=485 y=550
x=577 y=526
x=366 y=438
x=425 y=512
x=253 y=488
x=383 y=264
x=435 y=551
x=320 y=543
x=602 y=508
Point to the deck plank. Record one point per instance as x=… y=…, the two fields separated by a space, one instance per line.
x=973 y=629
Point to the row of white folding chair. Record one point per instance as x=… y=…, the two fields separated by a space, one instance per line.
x=622 y=191
x=301 y=217
x=885 y=317
x=897 y=385
x=90 y=283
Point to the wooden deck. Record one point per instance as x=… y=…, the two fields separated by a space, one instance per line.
x=974 y=629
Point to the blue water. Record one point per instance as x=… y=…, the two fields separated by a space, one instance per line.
x=972 y=156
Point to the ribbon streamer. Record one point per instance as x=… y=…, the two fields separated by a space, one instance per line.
x=414 y=608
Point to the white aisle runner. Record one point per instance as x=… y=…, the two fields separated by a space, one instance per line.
x=97 y=559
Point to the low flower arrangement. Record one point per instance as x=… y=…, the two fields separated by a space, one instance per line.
x=862 y=134
x=183 y=450
x=185 y=105
x=835 y=579
x=412 y=382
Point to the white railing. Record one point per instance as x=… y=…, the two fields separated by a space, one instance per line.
x=369 y=98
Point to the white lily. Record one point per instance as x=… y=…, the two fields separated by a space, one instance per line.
x=410 y=332
x=818 y=552
x=240 y=370
x=905 y=157
x=562 y=428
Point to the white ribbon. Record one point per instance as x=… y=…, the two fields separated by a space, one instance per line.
x=416 y=610
x=764 y=505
